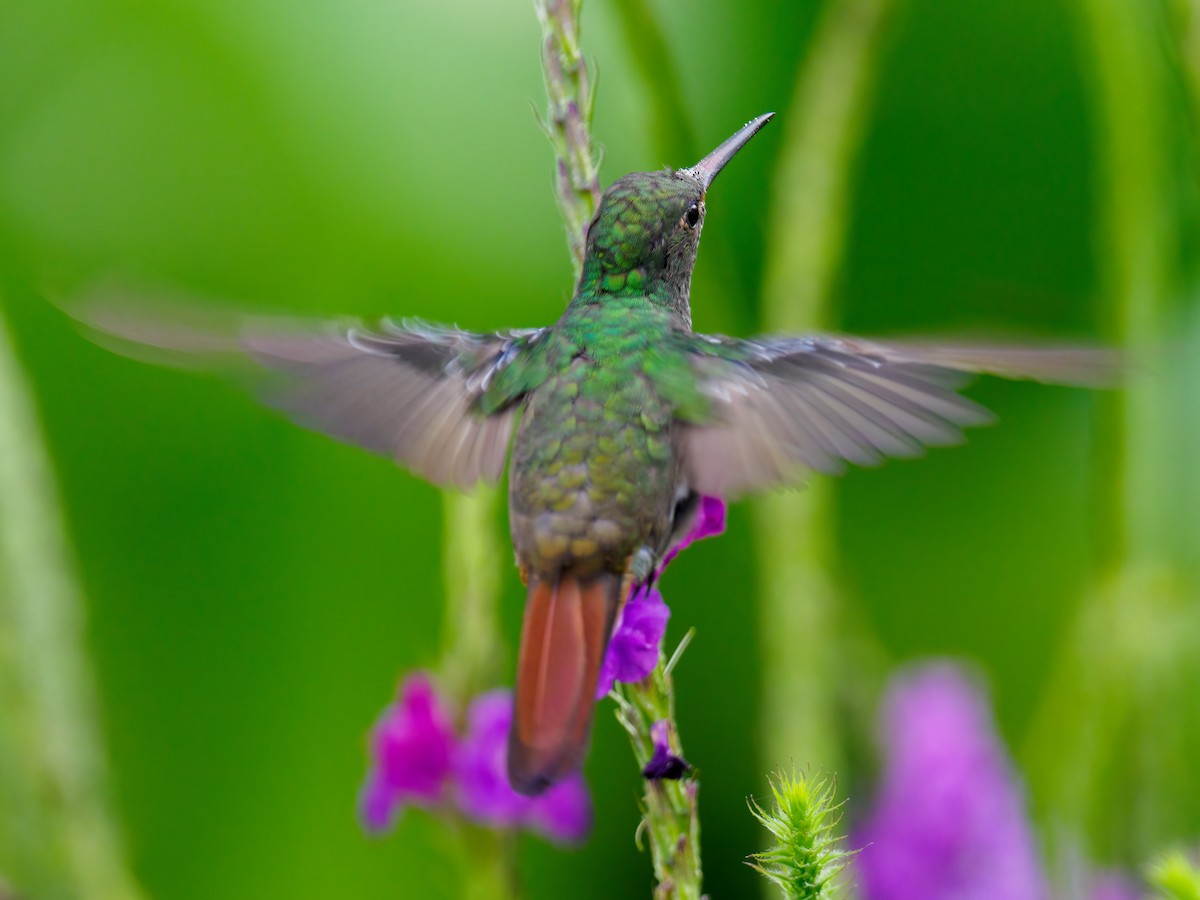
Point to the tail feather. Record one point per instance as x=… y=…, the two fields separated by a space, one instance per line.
x=568 y=622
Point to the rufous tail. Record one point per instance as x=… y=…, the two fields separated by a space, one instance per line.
x=568 y=621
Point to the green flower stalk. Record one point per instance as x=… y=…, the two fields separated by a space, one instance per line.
x=471 y=561
x=800 y=594
x=640 y=680
x=1118 y=694
x=646 y=709
x=472 y=555
x=807 y=857
x=671 y=819
x=577 y=175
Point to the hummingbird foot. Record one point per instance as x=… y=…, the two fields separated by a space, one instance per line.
x=640 y=573
x=641 y=565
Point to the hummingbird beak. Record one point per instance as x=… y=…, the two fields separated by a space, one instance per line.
x=706 y=170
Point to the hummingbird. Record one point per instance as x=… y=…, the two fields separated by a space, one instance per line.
x=614 y=422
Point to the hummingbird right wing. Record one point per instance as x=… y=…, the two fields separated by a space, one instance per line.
x=772 y=408
x=431 y=397
x=422 y=394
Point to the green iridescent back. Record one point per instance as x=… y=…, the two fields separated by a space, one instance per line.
x=595 y=465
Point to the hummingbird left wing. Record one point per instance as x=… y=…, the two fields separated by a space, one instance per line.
x=771 y=408
x=437 y=399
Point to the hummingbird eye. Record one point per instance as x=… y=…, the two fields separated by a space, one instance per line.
x=692 y=216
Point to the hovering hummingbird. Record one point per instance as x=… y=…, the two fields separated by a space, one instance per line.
x=624 y=418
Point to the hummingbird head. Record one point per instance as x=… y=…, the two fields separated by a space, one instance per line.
x=644 y=237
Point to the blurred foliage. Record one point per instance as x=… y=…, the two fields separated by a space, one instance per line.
x=253 y=590
x=58 y=836
x=1176 y=877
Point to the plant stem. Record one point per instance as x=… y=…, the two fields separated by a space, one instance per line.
x=1119 y=689
x=472 y=554
x=58 y=834
x=799 y=592
x=471 y=562
x=577 y=176
x=470 y=660
x=670 y=814
x=487 y=861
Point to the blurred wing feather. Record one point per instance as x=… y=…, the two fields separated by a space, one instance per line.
x=406 y=389
x=781 y=406
x=410 y=391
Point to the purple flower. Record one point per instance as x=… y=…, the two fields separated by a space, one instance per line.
x=663 y=763
x=481 y=785
x=411 y=744
x=949 y=819
x=482 y=792
x=709 y=522
x=417 y=761
x=564 y=813
x=633 y=650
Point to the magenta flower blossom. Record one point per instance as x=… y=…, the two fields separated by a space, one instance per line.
x=663 y=763
x=633 y=650
x=482 y=789
x=411 y=746
x=709 y=522
x=563 y=813
x=949 y=820
x=417 y=760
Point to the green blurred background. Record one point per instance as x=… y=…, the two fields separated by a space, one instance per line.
x=253 y=591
